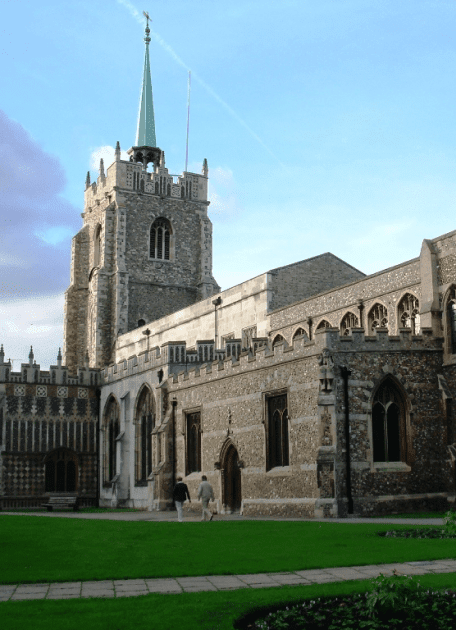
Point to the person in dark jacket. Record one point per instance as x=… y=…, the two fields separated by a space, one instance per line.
x=180 y=493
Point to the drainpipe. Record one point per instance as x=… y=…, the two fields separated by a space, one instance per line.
x=345 y=374
x=309 y=323
x=174 y=404
x=216 y=303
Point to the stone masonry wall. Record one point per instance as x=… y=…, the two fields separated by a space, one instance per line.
x=309 y=277
x=425 y=472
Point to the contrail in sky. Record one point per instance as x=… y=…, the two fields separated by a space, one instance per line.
x=141 y=20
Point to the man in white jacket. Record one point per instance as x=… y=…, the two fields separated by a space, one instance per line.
x=205 y=493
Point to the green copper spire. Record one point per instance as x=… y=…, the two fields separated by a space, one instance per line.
x=145 y=135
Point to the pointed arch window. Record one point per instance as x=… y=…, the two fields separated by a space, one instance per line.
x=377 y=317
x=144 y=425
x=111 y=430
x=348 y=322
x=278 y=450
x=388 y=423
x=323 y=324
x=277 y=339
x=409 y=313
x=193 y=442
x=300 y=332
x=160 y=239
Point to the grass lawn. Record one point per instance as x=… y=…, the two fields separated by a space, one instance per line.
x=36 y=549
x=189 y=611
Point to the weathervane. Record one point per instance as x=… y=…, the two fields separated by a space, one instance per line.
x=146 y=15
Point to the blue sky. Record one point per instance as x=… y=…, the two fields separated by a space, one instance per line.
x=328 y=125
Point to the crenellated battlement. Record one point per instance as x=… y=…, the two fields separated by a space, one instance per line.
x=131 y=176
x=181 y=364
x=358 y=341
x=59 y=374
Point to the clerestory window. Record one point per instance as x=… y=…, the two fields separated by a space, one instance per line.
x=377 y=317
x=409 y=313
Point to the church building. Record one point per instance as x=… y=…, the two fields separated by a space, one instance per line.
x=310 y=390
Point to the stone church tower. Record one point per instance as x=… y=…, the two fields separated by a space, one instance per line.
x=145 y=249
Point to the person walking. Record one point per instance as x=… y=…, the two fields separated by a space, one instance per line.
x=180 y=493
x=205 y=493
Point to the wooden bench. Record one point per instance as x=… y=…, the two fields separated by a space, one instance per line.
x=62 y=501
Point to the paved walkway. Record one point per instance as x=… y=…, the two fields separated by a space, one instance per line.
x=131 y=588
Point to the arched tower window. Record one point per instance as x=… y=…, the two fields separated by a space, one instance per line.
x=278 y=431
x=348 y=322
x=409 y=313
x=144 y=424
x=377 y=317
x=388 y=423
x=111 y=429
x=97 y=246
x=323 y=324
x=160 y=239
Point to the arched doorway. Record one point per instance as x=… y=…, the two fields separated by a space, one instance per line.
x=232 y=496
x=61 y=471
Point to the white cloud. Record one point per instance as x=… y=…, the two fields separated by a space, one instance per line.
x=36 y=322
x=55 y=234
x=108 y=154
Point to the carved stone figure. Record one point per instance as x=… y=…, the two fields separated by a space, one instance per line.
x=326 y=371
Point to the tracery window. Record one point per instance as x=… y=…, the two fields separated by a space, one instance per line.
x=111 y=429
x=160 y=237
x=194 y=442
x=323 y=324
x=377 y=317
x=144 y=424
x=388 y=423
x=409 y=313
x=278 y=452
x=348 y=322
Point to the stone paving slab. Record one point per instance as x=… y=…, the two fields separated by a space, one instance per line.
x=256 y=578
x=137 y=587
x=23 y=596
x=98 y=593
x=102 y=584
x=162 y=586
x=225 y=582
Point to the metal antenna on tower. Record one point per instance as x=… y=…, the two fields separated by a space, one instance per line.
x=188 y=119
